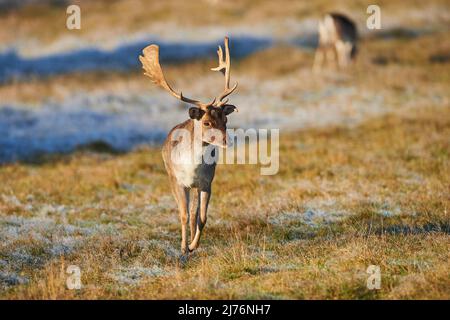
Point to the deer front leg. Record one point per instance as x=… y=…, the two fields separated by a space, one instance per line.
x=182 y=196
x=319 y=57
x=194 y=207
x=201 y=219
x=332 y=57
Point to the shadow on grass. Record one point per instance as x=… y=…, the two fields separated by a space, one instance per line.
x=123 y=58
x=400 y=33
x=40 y=136
x=431 y=227
x=100 y=149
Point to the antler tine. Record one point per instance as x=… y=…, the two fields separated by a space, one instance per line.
x=152 y=67
x=224 y=67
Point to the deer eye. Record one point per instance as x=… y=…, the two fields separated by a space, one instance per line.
x=207 y=124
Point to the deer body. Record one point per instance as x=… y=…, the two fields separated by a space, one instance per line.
x=191 y=147
x=190 y=179
x=185 y=162
x=337 y=41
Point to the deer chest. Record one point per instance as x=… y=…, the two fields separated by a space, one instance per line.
x=194 y=175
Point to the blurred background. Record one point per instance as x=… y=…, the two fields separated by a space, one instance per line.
x=61 y=89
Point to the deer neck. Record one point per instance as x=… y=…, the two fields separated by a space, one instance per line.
x=198 y=146
x=192 y=150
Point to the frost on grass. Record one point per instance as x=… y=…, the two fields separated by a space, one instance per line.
x=278 y=267
x=133 y=275
x=26 y=133
x=164 y=202
x=122 y=120
x=310 y=217
x=163 y=245
x=31 y=242
x=389 y=213
x=41 y=229
x=8 y=279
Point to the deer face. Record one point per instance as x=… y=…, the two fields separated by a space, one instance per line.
x=213 y=122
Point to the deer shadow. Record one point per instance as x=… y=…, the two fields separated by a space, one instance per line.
x=430 y=227
x=27 y=135
x=123 y=58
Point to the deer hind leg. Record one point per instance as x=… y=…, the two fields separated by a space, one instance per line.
x=343 y=50
x=201 y=218
x=194 y=207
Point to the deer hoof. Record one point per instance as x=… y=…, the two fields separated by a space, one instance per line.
x=184 y=259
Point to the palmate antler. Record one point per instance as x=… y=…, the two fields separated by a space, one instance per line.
x=224 y=67
x=152 y=67
x=150 y=63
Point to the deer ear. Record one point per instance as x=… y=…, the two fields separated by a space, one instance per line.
x=196 y=113
x=228 y=108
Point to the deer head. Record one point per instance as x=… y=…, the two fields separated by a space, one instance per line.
x=213 y=115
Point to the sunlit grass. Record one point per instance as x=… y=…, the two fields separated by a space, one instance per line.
x=347 y=195
x=378 y=194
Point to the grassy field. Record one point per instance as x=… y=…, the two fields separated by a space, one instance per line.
x=364 y=173
x=105 y=20
x=344 y=199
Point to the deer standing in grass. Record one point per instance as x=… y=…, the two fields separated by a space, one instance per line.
x=337 y=39
x=191 y=178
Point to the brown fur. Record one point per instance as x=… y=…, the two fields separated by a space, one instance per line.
x=184 y=150
x=337 y=41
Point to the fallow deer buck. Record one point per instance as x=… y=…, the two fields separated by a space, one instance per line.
x=337 y=39
x=191 y=178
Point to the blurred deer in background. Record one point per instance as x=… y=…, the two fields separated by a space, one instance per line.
x=337 y=39
x=190 y=175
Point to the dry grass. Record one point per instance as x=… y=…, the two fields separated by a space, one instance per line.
x=371 y=192
x=395 y=68
x=344 y=199
x=105 y=19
